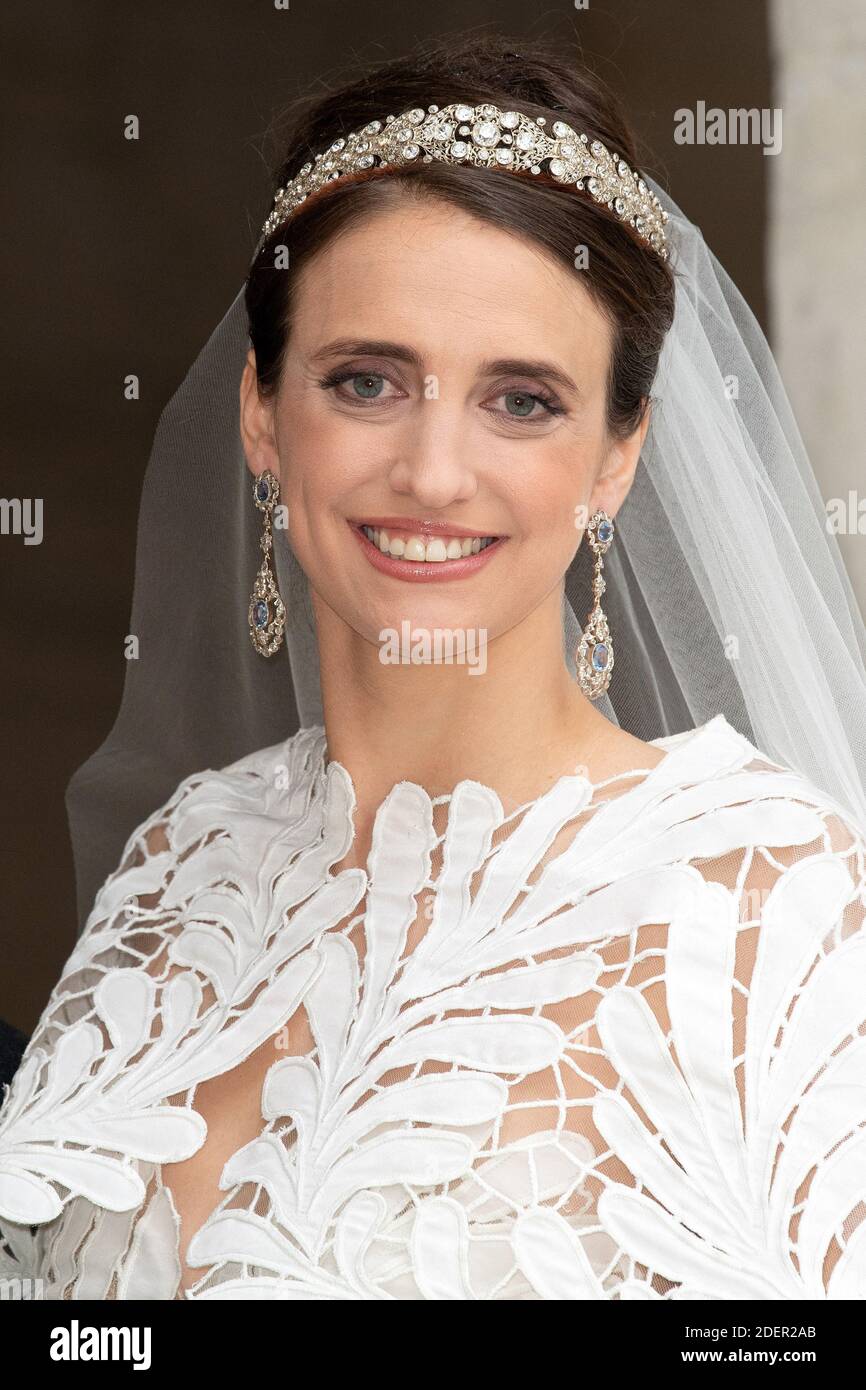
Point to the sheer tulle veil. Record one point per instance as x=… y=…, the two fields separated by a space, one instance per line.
x=726 y=592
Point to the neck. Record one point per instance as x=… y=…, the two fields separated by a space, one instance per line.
x=516 y=727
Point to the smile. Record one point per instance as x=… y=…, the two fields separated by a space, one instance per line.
x=431 y=552
x=404 y=545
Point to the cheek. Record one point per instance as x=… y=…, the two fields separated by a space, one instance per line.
x=548 y=497
x=316 y=466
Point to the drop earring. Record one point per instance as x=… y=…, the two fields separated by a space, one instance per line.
x=594 y=656
x=267 y=613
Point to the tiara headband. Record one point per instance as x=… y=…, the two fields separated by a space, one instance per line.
x=488 y=138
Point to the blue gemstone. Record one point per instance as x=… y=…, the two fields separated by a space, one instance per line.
x=260 y=613
x=599 y=656
x=263 y=490
x=605 y=531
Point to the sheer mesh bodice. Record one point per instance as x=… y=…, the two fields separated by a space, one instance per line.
x=611 y=1046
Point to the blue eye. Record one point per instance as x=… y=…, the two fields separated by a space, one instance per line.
x=522 y=401
x=366 y=384
x=520 y=405
x=351 y=385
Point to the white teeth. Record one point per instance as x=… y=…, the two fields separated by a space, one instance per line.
x=418 y=548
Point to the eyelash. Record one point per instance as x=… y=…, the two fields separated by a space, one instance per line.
x=549 y=402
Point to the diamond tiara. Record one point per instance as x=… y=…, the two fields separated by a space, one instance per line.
x=488 y=138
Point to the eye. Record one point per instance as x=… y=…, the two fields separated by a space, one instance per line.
x=360 y=387
x=533 y=407
x=367 y=388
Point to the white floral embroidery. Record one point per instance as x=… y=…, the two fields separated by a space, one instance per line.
x=570 y=1084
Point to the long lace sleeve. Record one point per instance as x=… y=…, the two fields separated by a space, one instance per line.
x=79 y=1119
x=180 y=973
x=745 y=1140
x=801 y=1065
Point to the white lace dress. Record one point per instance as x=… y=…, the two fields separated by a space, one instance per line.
x=611 y=1046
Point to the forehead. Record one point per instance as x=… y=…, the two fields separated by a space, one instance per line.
x=447 y=283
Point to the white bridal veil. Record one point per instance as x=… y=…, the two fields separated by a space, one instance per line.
x=725 y=590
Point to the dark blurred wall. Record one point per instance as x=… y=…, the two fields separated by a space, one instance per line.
x=122 y=256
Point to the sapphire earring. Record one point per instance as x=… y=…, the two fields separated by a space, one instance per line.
x=594 y=655
x=267 y=613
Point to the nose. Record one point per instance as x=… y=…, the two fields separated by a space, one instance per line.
x=434 y=465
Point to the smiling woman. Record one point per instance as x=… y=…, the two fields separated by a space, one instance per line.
x=544 y=985
x=510 y=450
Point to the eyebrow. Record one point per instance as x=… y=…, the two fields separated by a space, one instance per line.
x=400 y=352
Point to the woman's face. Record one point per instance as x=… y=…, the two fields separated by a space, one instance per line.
x=443 y=381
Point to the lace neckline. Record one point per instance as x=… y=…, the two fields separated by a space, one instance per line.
x=325 y=769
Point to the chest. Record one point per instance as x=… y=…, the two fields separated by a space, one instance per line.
x=397 y=1067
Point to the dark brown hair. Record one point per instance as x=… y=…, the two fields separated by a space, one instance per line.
x=627 y=279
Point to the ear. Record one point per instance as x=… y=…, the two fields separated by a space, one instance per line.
x=617 y=474
x=257 y=422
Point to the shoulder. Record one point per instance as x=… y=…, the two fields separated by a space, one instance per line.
x=166 y=964
x=765 y=859
x=720 y=776
x=782 y=861
x=271 y=783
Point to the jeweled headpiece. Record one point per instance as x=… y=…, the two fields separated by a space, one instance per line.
x=488 y=138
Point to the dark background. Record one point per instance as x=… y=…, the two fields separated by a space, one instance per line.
x=122 y=256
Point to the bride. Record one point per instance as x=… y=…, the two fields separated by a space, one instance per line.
x=477 y=948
